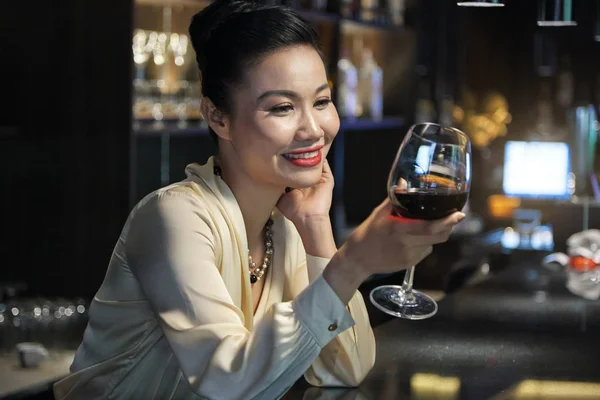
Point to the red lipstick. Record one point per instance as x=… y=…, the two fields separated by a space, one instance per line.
x=310 y=157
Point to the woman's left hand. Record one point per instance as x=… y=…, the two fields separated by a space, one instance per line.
x=308 y=209
x=302 y=206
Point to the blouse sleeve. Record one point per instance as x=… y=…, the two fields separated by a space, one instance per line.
x=348 y=358
x=172 y=252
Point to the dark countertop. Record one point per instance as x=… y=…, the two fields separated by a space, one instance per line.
x=520 y=334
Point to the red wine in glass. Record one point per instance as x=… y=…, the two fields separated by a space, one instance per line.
x=427 y=205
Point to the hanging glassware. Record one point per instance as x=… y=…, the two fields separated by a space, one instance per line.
x=555 y=13
x=481 y=3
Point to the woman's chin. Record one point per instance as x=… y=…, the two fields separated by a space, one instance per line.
x=304 y=180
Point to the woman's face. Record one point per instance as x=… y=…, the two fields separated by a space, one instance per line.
x=284 y=120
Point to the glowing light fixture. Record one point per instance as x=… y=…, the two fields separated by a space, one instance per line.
x=481 y=3
x=433 y=386
x=554 y=13
x=530 y=389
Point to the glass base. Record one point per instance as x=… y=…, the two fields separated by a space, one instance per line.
x=392 y=300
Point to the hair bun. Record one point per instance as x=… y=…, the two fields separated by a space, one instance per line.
x=205 y=22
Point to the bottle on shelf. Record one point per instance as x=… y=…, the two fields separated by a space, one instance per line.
x=369 y=10
x=347 y=75
x=370 y=86
x=396 y=11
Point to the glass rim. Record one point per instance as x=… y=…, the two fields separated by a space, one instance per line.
x=442 y=127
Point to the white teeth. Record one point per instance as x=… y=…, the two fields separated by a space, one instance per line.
x=312 y=154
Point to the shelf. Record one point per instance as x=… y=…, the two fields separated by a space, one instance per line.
x=355 y=24
x=171 y=128
x=321 y=16
x=369 y=124
x=151 y=128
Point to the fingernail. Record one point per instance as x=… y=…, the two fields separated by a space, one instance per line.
x=461 y=217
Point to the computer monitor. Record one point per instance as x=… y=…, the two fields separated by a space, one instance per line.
x=537 y=170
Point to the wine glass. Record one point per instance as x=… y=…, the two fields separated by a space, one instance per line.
x=430 y=179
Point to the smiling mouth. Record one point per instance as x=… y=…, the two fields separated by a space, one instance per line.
x=309 y=159
x=311 y=154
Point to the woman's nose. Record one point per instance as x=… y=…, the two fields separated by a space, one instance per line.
x=309 y=129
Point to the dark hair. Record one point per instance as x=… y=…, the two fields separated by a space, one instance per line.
x=230 y=36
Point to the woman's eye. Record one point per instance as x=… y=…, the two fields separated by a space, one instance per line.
x=322 y=103
x=283 y=109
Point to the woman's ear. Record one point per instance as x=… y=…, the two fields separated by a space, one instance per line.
x=215 y=118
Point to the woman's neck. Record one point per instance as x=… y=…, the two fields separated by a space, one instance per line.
x=256 y=200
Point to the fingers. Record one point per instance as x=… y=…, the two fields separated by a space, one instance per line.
x=430 y=228
x=456 y=217
x=402 y=183
x=418 y=232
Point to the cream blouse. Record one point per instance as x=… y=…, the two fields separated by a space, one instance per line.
x=173 y=318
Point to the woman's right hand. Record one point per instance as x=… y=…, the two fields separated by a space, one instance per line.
x=384 y=244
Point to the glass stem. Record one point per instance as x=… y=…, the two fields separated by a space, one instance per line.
x=408 y=280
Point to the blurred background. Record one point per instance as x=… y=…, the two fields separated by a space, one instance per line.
x=102 y=107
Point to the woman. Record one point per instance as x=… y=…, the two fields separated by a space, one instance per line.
x=223 y=286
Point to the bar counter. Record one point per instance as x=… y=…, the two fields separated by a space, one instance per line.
x=518 y=335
